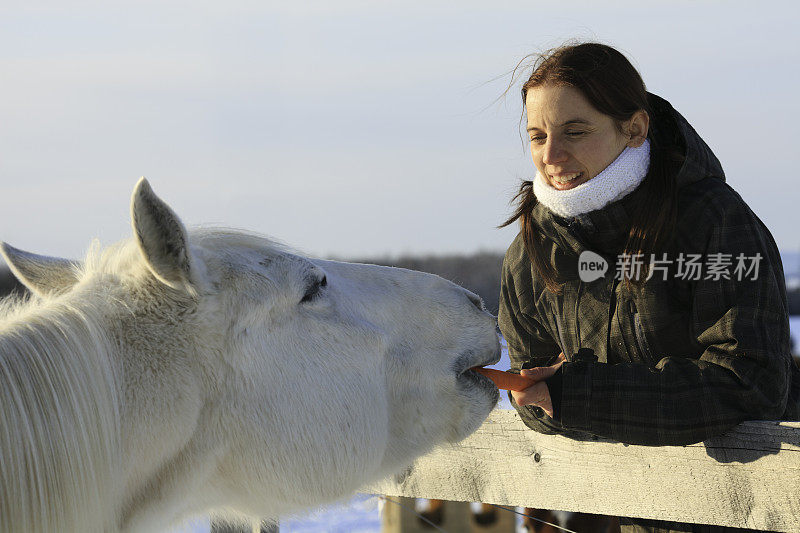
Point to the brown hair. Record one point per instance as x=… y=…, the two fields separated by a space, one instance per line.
x=614 y=87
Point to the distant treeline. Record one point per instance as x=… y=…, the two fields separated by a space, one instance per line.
x=479 y=272
x=794 y=301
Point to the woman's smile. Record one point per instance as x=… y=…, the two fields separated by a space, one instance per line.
x=566 y=180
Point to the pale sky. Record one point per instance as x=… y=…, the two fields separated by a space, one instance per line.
x=353 y=128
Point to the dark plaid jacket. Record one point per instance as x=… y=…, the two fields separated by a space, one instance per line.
x=679 y=359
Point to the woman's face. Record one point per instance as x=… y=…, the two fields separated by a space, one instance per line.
x=572 y=142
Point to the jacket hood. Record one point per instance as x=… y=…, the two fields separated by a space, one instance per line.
x=605 y=230
x=670 y=128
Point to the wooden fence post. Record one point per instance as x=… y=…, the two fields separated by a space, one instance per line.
x=456 y=517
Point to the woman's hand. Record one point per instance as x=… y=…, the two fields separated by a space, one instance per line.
x=538 y=394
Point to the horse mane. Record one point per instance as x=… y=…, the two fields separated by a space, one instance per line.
x=59 y=415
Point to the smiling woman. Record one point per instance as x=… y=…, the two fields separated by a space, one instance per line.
x=571 y=141
x=688 y=336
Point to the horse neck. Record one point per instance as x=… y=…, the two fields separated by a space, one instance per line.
x=59 y=423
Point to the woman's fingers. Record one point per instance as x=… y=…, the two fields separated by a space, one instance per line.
x=540 y=372
x=537 y=394
x=531 y=395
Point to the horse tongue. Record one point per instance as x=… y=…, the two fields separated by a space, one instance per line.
x=505 y=380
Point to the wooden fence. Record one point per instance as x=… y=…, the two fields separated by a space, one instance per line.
x=749 y=477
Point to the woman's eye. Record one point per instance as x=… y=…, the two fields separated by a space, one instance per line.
x=538 y=139
x=575 y=133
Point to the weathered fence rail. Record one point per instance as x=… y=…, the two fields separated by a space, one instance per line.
x=749 y=477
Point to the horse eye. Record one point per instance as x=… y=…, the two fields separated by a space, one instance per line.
x=310 y=294
x=313 y=291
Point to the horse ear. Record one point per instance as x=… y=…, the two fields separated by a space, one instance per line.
x=40 y=274
x=162 y=238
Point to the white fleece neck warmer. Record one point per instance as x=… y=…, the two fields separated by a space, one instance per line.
x=619 y=178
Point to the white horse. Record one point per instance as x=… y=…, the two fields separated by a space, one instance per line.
x=177 y=373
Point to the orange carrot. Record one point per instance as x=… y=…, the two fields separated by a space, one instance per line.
x=506 y=380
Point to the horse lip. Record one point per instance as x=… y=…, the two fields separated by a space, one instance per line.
x=470 y=359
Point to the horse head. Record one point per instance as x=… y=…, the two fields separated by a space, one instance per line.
x=248 y=376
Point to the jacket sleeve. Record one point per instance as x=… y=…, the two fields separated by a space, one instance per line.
x=529 y=343
x=744 y=371
x=528 y=340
